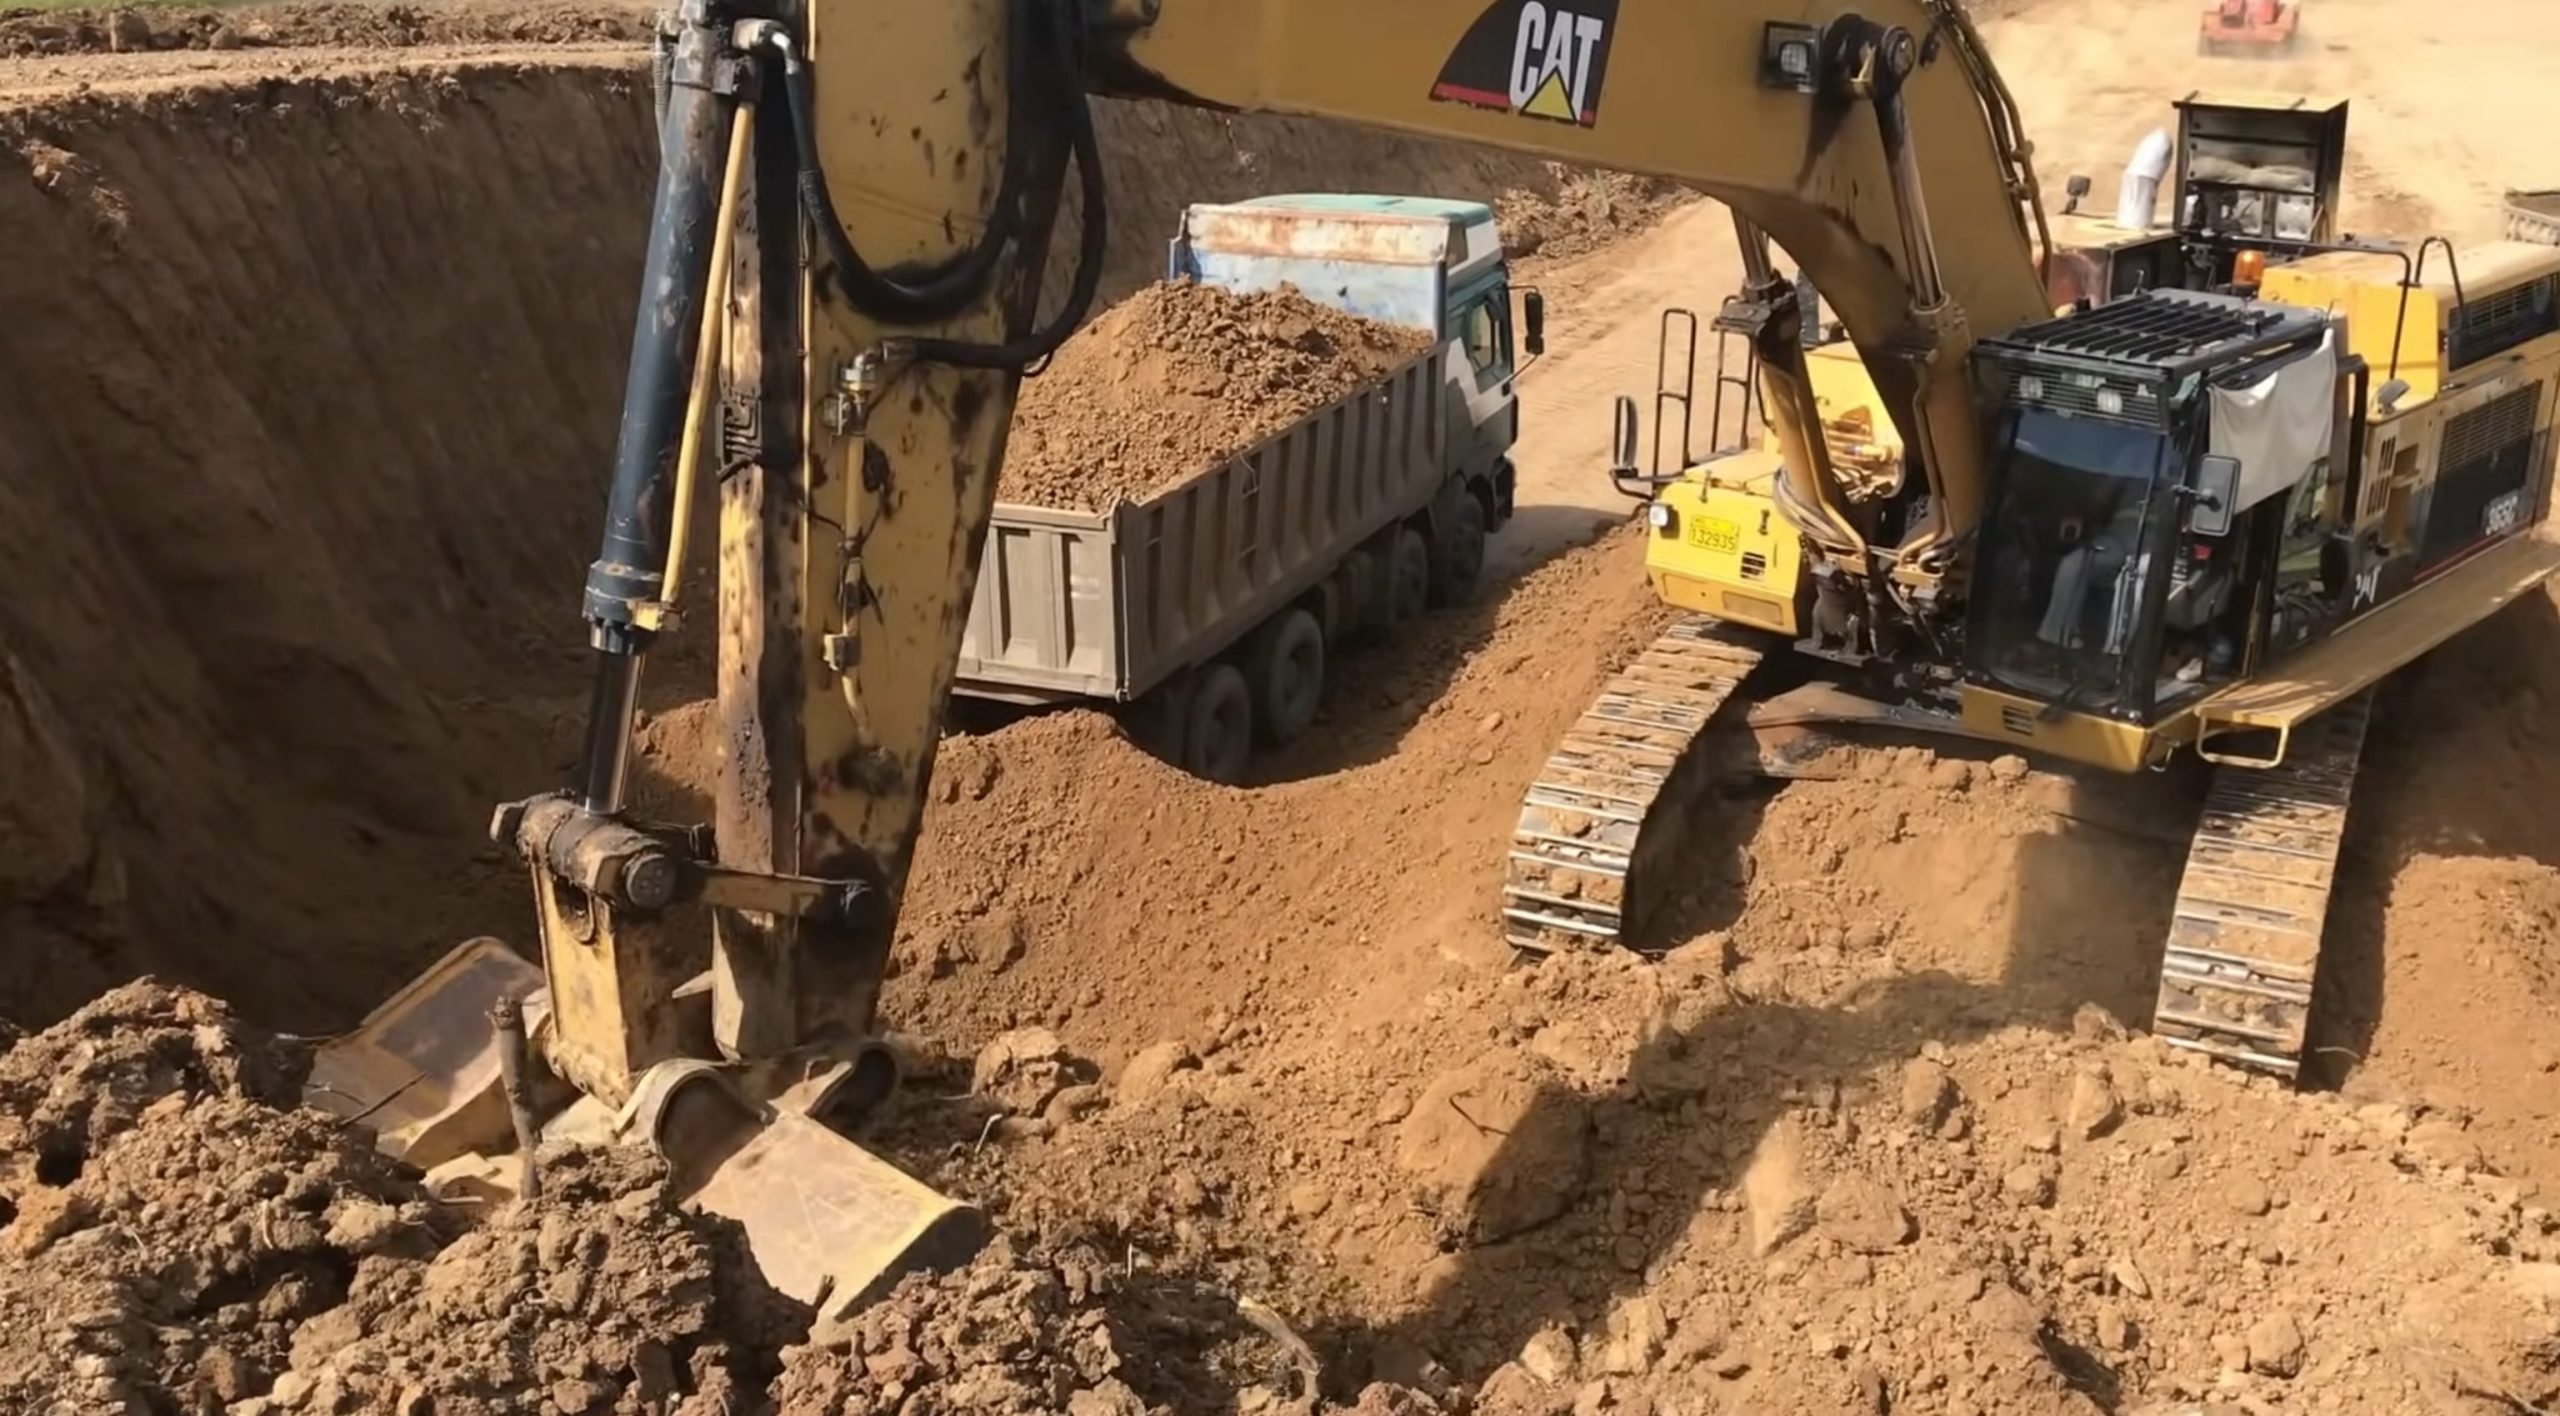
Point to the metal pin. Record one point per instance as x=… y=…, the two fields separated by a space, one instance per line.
x=507 y=1017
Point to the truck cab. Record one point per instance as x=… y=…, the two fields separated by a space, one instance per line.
x=1429 y=262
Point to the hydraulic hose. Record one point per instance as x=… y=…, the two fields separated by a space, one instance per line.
x=1093 y=234
x=948 y=289
x=892 y=303
x=705 y=394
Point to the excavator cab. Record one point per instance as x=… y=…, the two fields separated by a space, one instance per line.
x=2158 y=463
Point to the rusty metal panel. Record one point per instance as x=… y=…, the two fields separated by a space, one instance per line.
x=1078 y=605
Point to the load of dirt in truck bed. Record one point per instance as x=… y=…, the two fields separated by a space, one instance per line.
x=1178 y=379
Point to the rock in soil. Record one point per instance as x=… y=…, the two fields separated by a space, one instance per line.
x=1497 y=1146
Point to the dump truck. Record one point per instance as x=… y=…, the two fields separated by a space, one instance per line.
x=1207 y=608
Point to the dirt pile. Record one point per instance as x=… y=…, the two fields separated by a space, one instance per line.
x=1874 y=1032
x=1583 y=212
x=1180 y=378
x=1672 y=1197
x=1023 y=1334
x=2445 y=947
x=147 y=29
x=181 y=1236
x=1001 y=1336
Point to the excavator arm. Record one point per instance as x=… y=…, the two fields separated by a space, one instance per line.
x=855 y=206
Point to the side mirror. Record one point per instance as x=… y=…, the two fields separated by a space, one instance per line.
x=1533 y=315
x=2216 y=492
x=2074 y=190
x=2390 y=394
x=1622 y=440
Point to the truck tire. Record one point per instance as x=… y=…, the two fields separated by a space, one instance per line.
x=1217 y=733
x=1460 y=563
x=1286 y=669
x=1408 y=579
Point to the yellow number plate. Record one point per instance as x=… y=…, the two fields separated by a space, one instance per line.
x=1712 y=533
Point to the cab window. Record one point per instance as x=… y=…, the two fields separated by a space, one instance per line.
x=1487 y=338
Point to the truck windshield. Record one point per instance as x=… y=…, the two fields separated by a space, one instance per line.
x=2071 y=548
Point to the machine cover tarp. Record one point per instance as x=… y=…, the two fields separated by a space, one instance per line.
x=2279 y=427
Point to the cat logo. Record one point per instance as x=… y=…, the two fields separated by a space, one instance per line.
x=1534 y=59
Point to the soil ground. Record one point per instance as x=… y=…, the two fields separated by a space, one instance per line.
x=317 y=378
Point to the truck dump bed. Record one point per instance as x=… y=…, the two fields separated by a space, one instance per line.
x=1076 y=604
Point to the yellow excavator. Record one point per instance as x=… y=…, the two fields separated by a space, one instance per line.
x=854 y=207
x=2247 y=470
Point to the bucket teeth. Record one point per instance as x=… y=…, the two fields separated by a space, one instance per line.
x=1567 y=882
x=2244 y=939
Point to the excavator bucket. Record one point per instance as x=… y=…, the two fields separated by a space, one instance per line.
x=422 y=1069
x=829 y=1223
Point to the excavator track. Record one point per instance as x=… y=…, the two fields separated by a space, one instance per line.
x=1575 y=849
x=2244 y=943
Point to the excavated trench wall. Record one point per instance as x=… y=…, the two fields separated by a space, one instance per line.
x=312 y=386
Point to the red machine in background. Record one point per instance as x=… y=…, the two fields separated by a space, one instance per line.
x=2249 y=28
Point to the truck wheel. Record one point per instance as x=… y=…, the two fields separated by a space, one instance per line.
x=1460 y=564
x=1408 y=579
x=1287 y=675
x=1217 y=738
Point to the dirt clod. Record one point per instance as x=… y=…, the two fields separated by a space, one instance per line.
x=1497 y=1146
x=1152 y=1070
x=2275 y=1346
x=1927 y=1093
x=1861 y=1214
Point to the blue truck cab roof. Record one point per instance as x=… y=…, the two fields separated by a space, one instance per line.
x=1457 y=213
x=1390 y=257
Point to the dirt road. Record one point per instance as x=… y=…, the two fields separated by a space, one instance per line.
x=1603 y=327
